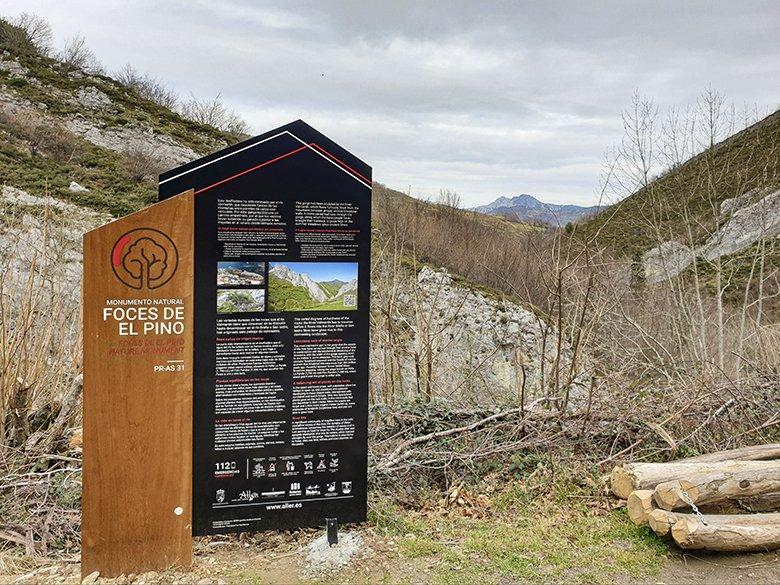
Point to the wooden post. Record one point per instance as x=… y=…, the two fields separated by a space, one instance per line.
x=138 y=353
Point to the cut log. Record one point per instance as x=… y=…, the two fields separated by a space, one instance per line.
x=661 y=521
x=760 y=533
x=733 y=481
x=762 y=503
x=643 y=476
x=752 y=453
x=640 y=503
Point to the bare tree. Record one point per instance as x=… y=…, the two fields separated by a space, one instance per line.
x=36 y=31
x=214 y=113
x=147 y=86
x=77 y=55
x=448 y=198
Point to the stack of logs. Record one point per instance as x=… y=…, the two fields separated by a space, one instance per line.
x=735 y=491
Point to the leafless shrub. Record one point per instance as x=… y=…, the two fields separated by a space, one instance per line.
x=42 y=136
x=37 y=32
x=140 y=164
x=40 y=381
x=676 y=351
x=448 y=198
x=39 y=328
x=26 y=34
x=76 y=55
x=214 y=113
x=147 y=86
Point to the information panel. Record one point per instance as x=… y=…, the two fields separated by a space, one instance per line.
x=282 y=260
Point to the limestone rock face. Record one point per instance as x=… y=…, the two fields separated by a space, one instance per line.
x=479 y=349
x=167 y=151
x=27 y=235
x=350 y=286
x=746 y=225
x=12 y=66
x=666 y=261
x=303 y=280
x=746 y=219
x=92 y=98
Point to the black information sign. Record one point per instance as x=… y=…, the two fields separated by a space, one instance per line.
x=282 y=259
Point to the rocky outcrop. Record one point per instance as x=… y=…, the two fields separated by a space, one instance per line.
x=350 y=286
x=303 y=280
x=666 y=261
x=166 y=151
x=477 y=349
x=92 y=98
x=44 y=229
x=748 y=224
x=12 y=66
x=745 y=220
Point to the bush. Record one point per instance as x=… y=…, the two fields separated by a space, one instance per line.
x=77 y=55
x=140 y=164
x=42 y=136
x=213 y=113
x=27 y=34
x=146 y=86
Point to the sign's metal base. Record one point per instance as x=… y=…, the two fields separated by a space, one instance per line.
x=332 y=529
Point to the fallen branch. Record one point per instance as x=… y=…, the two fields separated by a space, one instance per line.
x=403 y=451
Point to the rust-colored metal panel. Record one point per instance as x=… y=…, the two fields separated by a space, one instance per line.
x=138 y=353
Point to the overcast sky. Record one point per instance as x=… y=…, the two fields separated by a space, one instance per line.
x=486 y=98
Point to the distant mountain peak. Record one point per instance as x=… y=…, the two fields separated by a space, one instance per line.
x=525 y=207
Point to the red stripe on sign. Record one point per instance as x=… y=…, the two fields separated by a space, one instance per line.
x=342 y=163
x=249 y=170
x=116 y=254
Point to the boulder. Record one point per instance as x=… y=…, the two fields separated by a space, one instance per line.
x=666 y=261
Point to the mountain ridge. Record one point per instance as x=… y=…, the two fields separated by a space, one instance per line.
x=525 y=207
x=320 y=292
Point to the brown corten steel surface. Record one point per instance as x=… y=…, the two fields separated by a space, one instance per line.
x=137 y=422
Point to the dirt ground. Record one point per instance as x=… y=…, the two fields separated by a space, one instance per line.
x=281 y=560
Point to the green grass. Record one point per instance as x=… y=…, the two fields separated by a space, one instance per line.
x=528 y=538
x=329 y=288
x=736 y=269
x=97 y=169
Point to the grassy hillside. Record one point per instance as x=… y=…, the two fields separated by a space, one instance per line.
x=285 y=296
x=487 y=253
x=330 y=288
x=51 y=134
x=689 y=196
x=52 y=166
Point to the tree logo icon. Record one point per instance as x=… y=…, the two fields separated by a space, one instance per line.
x=144 y=258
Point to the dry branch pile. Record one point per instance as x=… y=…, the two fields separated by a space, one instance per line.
x=712 y=487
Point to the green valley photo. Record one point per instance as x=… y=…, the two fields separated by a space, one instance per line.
x=312 y=286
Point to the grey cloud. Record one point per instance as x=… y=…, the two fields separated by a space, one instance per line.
x=487 y=98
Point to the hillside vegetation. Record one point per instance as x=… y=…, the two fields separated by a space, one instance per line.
x=510 y=365
x=683 y=203
x=60 y=124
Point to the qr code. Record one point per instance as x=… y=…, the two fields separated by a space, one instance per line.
x=350 y=300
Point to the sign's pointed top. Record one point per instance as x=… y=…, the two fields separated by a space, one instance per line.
x=291 y=138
